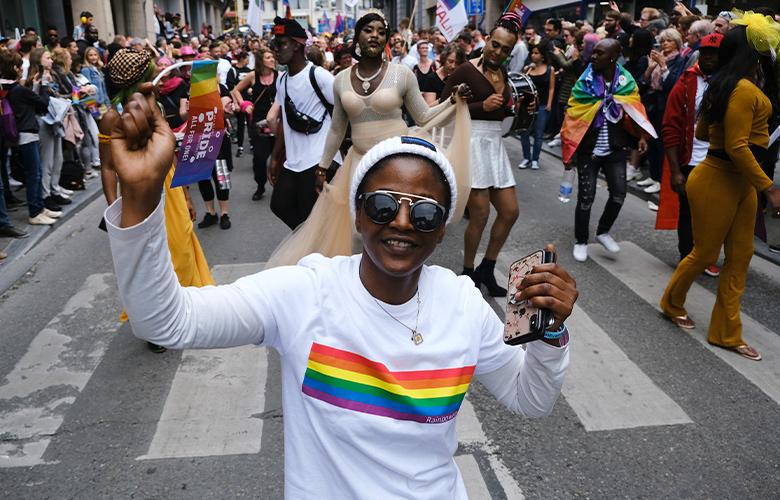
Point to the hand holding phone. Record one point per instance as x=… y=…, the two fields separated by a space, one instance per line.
x=541 y=296
x=524 y=322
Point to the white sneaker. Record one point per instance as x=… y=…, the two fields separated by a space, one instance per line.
x=631 y=172
x=652 y=206
x=645 y=182
x=65 y=191
x=580 y=252
x=51 y=213
x=524 y=164
x=14 y=183
x=554 y=143
x=534 y=165
x=41 y=220
x=652 y=188
x=607 y=242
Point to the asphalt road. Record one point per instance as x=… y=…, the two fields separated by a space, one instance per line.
x=648 y=410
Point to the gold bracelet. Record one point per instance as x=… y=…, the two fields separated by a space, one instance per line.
x=104 y=139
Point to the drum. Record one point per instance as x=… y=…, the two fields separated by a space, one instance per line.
x=522 y=118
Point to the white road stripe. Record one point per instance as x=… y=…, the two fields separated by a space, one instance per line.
x=650 y=283
x=767 y=268
x=58 y=364
x=472 y=477
x=216 y=397
x=470 y=433
x=213 y=405
x=604 y=387
x=467 y=426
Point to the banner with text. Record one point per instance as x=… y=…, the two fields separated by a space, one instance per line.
x=205 y=129
x=451 y=17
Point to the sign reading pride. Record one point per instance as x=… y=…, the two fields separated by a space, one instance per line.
x=205 y=129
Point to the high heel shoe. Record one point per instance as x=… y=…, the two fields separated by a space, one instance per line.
x=469 y=271
x=483 y=275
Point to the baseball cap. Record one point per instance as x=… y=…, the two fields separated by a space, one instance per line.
x=712 y=41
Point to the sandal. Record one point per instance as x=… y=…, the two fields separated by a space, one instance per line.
x=684 y=322
x=745 y=351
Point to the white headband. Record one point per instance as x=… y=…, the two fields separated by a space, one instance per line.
x=403 y=145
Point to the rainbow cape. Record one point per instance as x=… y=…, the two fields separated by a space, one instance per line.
x=350 y=381
x=589 y=96
x=205 y=128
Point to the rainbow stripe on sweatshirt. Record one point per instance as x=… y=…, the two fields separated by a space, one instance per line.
x=352 y=382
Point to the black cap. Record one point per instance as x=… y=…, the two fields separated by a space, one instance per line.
x=288 y=27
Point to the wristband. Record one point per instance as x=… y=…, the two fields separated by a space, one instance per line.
x=104 y=139
x=555 y=334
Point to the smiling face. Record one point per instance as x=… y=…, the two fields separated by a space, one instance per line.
x=396 y=249
x=269 y=61
x=498 y=46
x=372 y=39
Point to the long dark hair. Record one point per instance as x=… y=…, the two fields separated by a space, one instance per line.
x=641 y=43
x=737 y=60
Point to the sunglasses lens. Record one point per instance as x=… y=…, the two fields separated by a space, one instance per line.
x=427 y=216
x=380 y=207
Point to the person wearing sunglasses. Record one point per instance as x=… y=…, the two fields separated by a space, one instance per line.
x=377 y=349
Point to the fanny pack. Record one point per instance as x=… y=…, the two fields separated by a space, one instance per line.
x=301 y=122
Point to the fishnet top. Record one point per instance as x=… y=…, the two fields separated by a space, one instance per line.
x=398 y=88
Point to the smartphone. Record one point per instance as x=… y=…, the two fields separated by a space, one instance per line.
x=523 y=322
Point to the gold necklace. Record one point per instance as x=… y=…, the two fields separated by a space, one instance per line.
x=417 y=337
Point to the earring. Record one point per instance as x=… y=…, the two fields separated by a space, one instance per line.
x=357 y=51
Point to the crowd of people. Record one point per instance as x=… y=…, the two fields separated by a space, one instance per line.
x=373 y=142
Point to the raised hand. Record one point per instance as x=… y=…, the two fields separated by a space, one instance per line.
x=550 y=286
x=142 y=147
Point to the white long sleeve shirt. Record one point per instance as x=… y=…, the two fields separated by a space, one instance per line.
x=367 y=413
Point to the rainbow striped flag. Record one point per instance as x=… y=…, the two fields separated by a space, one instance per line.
x=522 y=11
x=588 y=98
x=205 y=128
x=352 y=382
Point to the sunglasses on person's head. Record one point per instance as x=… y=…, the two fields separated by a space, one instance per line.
x=382 y=207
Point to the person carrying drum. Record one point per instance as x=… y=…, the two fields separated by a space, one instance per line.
x=492 y=180
x=604 y=118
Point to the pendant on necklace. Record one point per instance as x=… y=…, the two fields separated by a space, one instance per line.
x=494 y=76
x=366 y=85
x=417 y=338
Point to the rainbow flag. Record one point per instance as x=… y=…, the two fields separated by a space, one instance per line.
x=352 y=382
x=205 y=128
x=589 y=96
x=517 y=6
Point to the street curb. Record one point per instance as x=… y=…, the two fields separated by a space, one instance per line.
x=15 y=265
x=760 y=248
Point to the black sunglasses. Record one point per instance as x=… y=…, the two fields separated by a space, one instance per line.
x=382 y=207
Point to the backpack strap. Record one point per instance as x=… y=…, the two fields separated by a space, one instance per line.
x=313 y=80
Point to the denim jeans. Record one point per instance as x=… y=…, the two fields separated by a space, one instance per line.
x=31 y=158
x=537 y=129
x=614 y=167
x=4 y=220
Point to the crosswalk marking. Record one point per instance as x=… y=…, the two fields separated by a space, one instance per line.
x=213 y=405
x=215 y=398
x=471 y=435
x=606 y=389
x=472 y=477
x=603 y=386
x=650 y=284
x=55 y=369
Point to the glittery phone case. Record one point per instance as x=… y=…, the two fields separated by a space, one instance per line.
x=523 y=322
